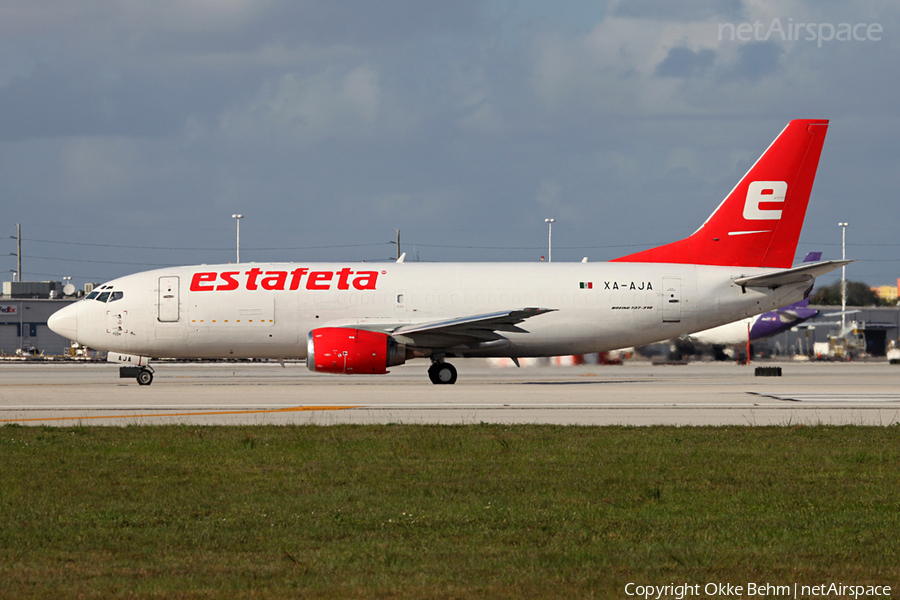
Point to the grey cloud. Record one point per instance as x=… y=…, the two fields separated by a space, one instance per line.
x=692 y=10
x=755 y=61
x=144 y=72
x=332 y=124
x=683 y=62
x=233 y=26
x=66 y=99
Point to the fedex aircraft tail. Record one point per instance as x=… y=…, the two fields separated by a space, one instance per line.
x=812 y=257
x=759 y=222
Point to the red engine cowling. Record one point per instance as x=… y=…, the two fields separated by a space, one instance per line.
x=352 y=351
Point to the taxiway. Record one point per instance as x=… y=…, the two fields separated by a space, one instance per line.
x=636 y=393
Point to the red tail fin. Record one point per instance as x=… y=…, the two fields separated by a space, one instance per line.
x=758 y=224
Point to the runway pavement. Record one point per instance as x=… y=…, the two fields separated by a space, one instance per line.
x=636 y=393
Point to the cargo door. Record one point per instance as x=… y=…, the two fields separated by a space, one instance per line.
x=168 y=300
x=671 y=300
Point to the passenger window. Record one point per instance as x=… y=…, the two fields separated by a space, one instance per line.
x=103 y=297
x=92 y=295
x=116 y=296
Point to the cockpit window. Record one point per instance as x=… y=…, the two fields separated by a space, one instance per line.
x=103 y=297
x=92 y=295
x=116 y=296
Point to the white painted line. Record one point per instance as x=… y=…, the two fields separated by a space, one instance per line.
x=854 y=398
x=410 y=406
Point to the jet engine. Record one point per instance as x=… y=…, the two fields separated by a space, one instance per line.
x=352 y=351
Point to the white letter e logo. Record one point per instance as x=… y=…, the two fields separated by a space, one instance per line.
x=764 y=191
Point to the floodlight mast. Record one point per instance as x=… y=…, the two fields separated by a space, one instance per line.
x=17 y=274
x=843 y=227
x=549 y=223
x=238 y=218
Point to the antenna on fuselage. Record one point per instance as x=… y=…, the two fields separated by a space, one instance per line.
x=398 y=245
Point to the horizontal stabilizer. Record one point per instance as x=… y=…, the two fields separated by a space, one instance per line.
x=804 y=273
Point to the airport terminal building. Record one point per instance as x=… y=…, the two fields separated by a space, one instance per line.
x=875 y=327
x=25 y=308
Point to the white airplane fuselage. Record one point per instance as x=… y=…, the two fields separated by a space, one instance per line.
x=266 y=310
x=364 y=318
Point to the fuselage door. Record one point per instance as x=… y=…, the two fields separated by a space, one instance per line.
x=671 y=299
x=168 y=300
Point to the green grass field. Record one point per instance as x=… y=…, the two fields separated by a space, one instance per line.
x=480 y=511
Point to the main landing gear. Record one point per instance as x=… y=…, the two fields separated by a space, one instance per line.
x=442 y=373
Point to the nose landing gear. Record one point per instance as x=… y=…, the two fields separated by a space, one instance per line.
x=442 y=373
x=144 y=375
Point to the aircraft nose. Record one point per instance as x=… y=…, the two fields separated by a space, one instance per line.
x=65 y=322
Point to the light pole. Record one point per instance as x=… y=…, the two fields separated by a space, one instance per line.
x=549 y=223
x=18 y=238
x=843 y=227
x=238 y=218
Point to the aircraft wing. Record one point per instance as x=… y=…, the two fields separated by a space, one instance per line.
x=801 y=274
x=462 y=330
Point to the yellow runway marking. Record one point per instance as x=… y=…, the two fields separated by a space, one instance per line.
x=187 y=414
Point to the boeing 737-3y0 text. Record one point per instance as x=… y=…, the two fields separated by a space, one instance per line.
x=363 y=319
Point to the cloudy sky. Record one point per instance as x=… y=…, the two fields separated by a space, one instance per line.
x=131 y=130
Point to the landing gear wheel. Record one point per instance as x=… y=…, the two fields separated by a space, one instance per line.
x=442 y=373
x=145 y=377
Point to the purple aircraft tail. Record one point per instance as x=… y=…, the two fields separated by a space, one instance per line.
x=786 y=317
